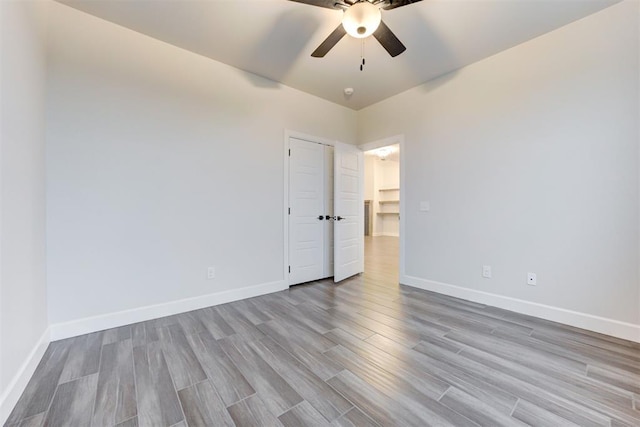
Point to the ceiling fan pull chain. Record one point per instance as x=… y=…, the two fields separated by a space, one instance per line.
x=362 y=55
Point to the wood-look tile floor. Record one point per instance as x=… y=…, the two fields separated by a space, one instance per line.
x=365 y=352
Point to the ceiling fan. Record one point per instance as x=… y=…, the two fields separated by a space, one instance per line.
x=361 y=19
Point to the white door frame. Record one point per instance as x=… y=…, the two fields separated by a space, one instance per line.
x=397 y=139
x=305 y=137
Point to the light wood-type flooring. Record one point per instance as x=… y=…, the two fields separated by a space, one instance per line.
x=366 y=352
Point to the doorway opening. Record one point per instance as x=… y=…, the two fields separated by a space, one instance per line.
x=382 y=203
x=323 y=214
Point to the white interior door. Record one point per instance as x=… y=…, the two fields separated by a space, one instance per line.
x=348 y=211
x=306 y=218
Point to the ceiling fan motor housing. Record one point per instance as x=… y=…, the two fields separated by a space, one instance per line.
x=361 y=19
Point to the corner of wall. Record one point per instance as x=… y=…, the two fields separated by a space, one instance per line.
x=18 y=383
x=638 y=132
x=24 y=334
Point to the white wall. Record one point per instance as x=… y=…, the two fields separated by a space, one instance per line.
x=369 y=176
x=161 y=163
x=369 y=188
x=638 y=53
x=23 y=307
x=530 y=161
x=388 y=176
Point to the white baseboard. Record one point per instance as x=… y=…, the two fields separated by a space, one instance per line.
x=18 y=383
x=126 y=317
x=603 y=325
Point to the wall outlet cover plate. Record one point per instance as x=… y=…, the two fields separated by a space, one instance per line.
x=532 y=279
x=486 y=271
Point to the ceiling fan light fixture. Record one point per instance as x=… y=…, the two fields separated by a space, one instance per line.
x=383 y=152
x=361 y=19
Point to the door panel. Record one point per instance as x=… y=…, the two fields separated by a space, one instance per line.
x=306 y=198
x=328 y=197
x=348 y=205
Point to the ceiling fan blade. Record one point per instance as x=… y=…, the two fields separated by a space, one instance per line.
x=388 y=40
x=393 y=4
x=329 y=4
x=329 y=42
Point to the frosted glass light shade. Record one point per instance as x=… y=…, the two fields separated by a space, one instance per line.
x=383 y=152
x=361 y=19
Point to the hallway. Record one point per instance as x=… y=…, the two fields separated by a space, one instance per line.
x=381 y=259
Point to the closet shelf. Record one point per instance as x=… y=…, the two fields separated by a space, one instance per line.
x=388 y=213
x=389 y=189
x=388 y=202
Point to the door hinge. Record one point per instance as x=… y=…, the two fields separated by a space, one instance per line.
x=289 y=269
x=289 y=211
x=289 y=152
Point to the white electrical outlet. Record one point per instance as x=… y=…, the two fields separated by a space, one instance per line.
x=211 y=273
x=486 y=271
x=531 y=279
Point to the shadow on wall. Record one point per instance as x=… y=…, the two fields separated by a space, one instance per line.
x=432 y=45
x=292 y=29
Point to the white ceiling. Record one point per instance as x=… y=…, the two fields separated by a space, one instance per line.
x=274 y=38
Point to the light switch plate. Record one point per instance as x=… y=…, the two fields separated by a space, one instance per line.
x=424 y=206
